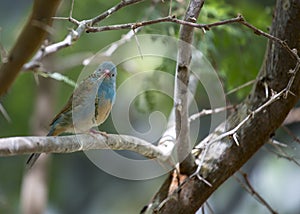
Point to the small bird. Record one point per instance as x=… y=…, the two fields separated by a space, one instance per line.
x=88 y=106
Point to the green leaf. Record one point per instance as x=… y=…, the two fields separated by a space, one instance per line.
x=58 y=77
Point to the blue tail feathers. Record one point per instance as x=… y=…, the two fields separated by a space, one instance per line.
x=34 y=156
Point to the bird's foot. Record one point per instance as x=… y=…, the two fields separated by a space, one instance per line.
x=93 y=131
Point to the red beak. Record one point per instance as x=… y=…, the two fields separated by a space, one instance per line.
x=107 y=72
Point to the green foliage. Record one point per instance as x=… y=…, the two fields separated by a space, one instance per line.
x=19 y=105
x=153 y=100
x=234 y=50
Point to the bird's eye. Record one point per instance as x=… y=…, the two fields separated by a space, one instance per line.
x=112 y=75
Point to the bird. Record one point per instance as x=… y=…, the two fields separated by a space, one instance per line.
x=88 y=106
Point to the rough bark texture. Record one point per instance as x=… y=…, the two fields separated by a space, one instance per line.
x=181 y=88
x=224 y=157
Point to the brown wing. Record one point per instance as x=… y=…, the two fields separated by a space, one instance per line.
x=75 y=100
x=65 y=109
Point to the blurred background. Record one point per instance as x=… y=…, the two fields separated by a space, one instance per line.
x=75 y=185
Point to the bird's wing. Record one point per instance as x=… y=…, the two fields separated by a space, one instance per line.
x=65 y=109
x=79 y=97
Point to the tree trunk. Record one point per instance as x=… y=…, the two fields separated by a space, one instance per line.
x=224 y=157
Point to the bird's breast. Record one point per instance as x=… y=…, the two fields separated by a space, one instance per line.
x=102 y=110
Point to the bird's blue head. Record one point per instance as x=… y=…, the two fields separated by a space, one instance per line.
x=108 y=70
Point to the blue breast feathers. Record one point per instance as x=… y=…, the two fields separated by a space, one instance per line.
x=107 y=88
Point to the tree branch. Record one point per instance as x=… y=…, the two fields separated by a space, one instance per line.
x=74 y=35
x=218 y=155
x=223 y=157
x=245 y=183
x=112 y=10
x=87 y=26
x=35 y=30
x=181 y=88
x=81 y=142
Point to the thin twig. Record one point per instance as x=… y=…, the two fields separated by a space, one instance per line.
x=137 y=44
x=71 y=10
x=112 y=10
x=276 y=142
x=3 y=52
x=74 y=35
x=291 y=81
x=161 y=20
x=240 y=87
x=209 y=207
x=114 y=46
x=4 y=113
x=249 y=188
x=283 y=154
x=205 y=112
x=257 y=31
x=292 y=52
x=290 y=133
x=252 y=114
x=87 y=26
x=170 y=8
x=199 y=162
x=69 y=39
x=233 y=133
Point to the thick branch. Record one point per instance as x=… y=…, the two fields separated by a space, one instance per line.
x=224 y=157
x=30 y=39
x=181 y=88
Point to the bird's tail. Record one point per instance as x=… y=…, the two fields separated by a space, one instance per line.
x=31 y=160
x=34 y=156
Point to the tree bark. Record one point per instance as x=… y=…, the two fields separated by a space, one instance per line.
x=224 y=157
x=181 y=88
x=30 y=39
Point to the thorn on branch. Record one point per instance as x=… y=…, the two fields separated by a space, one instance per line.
x=276 y=142
x=192 y=19
x=235 y=138
x=240 y=17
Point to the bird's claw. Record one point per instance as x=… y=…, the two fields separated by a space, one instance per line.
x=104 y=134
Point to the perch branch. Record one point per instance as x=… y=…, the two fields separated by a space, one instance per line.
x=81 y=142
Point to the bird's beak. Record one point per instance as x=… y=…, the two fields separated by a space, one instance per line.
x=107 y=73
